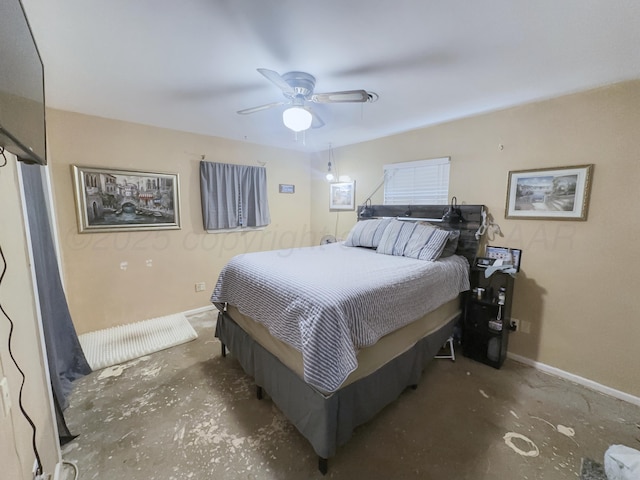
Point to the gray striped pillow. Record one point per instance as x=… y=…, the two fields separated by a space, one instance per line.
x=395 y=237
x=426 y=243
x=451 y=246
x=367 y=233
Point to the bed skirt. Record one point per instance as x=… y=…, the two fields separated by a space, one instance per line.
x=328 y=421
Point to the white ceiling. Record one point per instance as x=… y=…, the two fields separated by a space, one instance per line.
x=191 y=64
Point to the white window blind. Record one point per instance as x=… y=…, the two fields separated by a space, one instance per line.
x=423 y=182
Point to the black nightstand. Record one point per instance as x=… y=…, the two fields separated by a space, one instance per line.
x=486 y=324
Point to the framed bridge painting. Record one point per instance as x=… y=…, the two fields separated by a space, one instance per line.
x=109 y=200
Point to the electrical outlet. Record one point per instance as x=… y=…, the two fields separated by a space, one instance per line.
x=5 y=398
x=200 y=286
x=516 y=323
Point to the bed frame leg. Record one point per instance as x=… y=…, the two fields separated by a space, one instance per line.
x=223 y=350
x=259 y=392
x=323 y=465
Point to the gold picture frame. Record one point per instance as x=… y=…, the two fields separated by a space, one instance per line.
x=116 y=200
x=561 y=193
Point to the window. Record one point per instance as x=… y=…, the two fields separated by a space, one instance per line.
x=233 y=196
x=423 y=182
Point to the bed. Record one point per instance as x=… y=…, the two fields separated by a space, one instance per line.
x=336 y=332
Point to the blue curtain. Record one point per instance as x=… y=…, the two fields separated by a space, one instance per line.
x=64 y=353
x=233 y=196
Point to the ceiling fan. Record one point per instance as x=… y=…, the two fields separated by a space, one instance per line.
x=297 y=87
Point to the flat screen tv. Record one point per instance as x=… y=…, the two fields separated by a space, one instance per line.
x=22 y=107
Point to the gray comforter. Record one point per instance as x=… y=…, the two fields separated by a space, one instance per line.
x=328 y=301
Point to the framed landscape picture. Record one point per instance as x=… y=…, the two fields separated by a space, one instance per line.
x=110 y=200
x=342 y=196
x=550 y=193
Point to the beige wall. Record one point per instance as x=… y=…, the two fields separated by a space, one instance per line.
x=100 y=293
x=18 y=301
x=577 y=284
x=578 y=303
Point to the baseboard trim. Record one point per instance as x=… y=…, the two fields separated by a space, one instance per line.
x=199 y=310
x=585 y=382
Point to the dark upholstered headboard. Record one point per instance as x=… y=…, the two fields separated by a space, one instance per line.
x=471 y=215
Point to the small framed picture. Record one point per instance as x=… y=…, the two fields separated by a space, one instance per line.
x=342 y=196
x=505 y=254
x=286 y=188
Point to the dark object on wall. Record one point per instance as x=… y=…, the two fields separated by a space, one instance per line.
x=367 y=210
x=22 y=106
x=453 y=215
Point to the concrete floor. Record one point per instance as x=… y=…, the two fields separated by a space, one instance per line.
x=187 y=413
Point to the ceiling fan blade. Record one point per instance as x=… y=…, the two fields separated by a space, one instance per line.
x=316 y=121
x=341 y=97
x=247 y=111
x=277 y=79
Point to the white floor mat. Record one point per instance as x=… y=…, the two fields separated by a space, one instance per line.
x=116 y=345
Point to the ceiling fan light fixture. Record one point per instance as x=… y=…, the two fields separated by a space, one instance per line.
x=297 y=119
